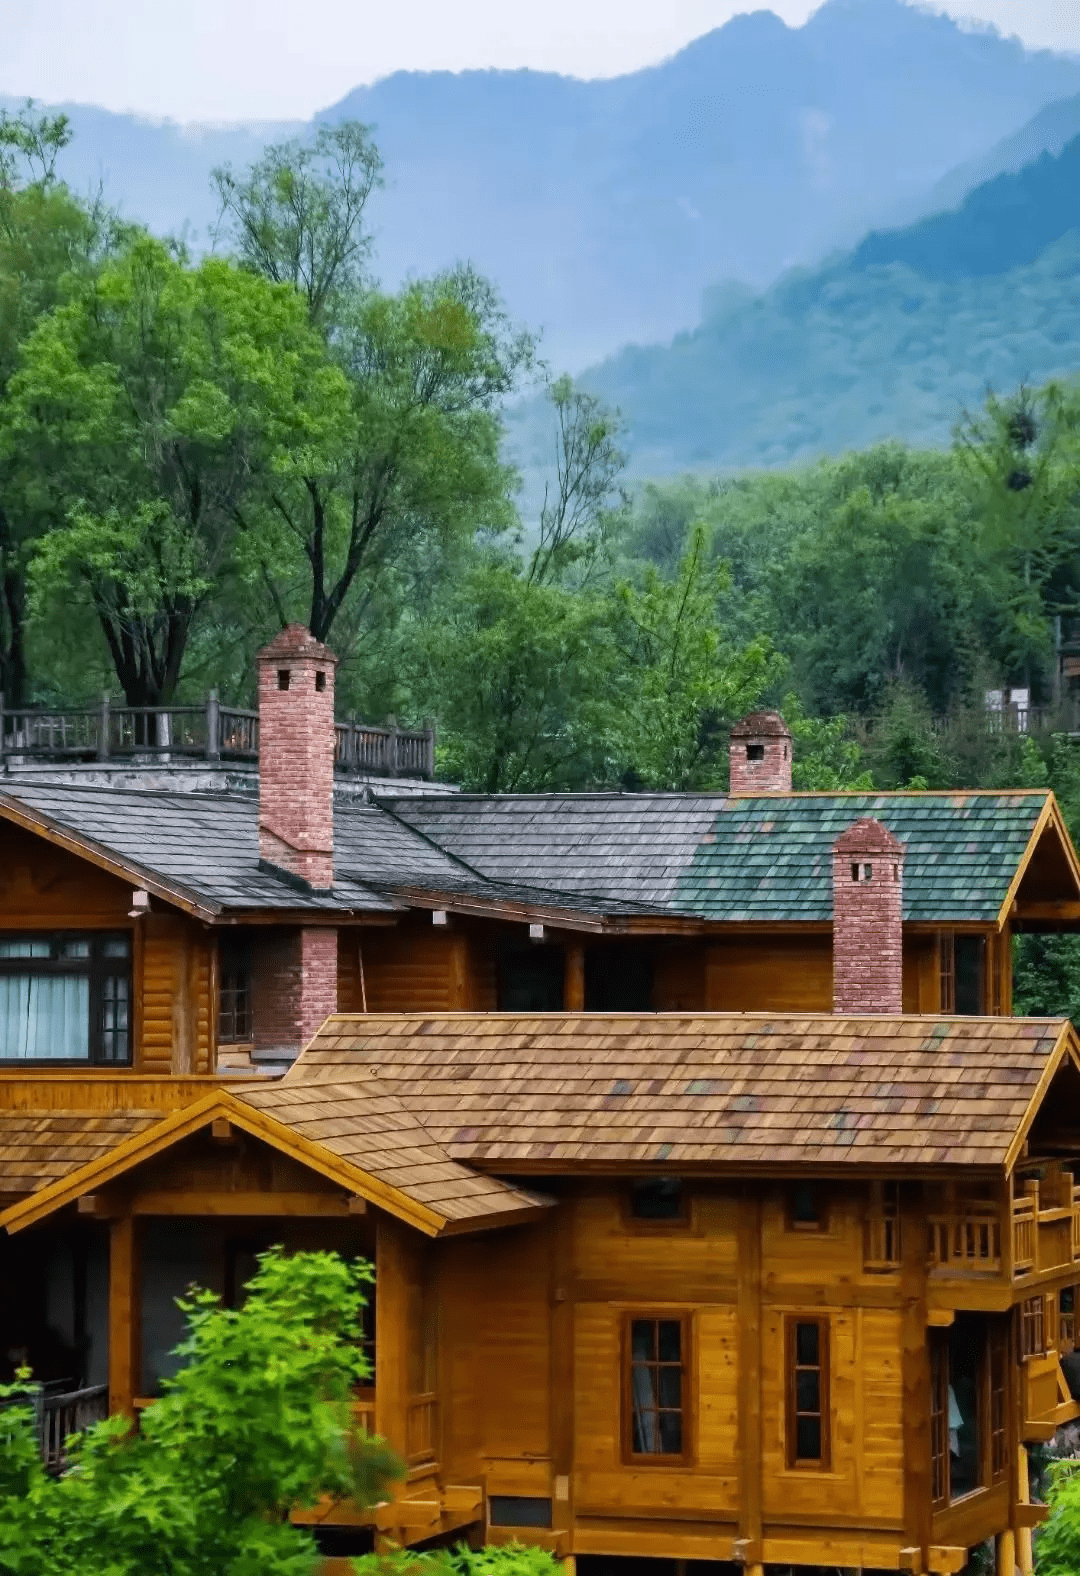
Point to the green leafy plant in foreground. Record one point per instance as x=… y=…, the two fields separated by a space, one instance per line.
x=256 y=1423
x=508 y=1559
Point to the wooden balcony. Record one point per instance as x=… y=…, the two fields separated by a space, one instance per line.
x=1046 y=1224
x=210 y=732
x=966 y=1238
x=422 y=1430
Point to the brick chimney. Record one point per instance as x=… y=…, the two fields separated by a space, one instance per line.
x=760 y=754
x=868 y=908
x=296 y=756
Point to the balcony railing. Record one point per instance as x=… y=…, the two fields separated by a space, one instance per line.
x=60 y=1413
x=968 y=1238
x=211 y=732
x=422 y=1429
x=1046 y=1223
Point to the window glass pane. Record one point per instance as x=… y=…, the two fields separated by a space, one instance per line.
x=25 y=947
x=806 y=1344
x=642 y=1338
x=671 y=1433
x=76 y=949
x=670 y=1386
x=670 y=1340
x=805 y=1205
x=808 y=1438
x=966 y=1342
x=116 y=947
x=657 y=1200
x=808 y=1390
x=44 y=1018
x=114 y=1019
x=969 y=952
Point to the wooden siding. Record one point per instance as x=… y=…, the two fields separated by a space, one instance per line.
x=770 y=973
x=177 y=1001
x=46 y=888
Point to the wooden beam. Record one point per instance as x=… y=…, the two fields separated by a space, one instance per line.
x=1062 y=911
x=560 y=1235
x=246 y=1203
x=221 y=1128
x=574 y=978
x=97 y=1206
x=124 y=1316
x=945 y=1559
x=749 y=1423
x=392 y=1296
x=915 y=1376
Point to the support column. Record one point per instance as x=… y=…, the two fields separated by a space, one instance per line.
x=1005 y=1552
x=125 y=1306
x=574 y=978
x=1024 y=1553
x=749 y=1542
x=562 y=1378
x=392 y=1278
x=915 y=1374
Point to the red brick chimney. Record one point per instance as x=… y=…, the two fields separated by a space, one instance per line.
x=760 y=754
x=868 y=910
x=296 y=756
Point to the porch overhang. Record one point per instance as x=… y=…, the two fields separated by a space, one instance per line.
x=86 y=1181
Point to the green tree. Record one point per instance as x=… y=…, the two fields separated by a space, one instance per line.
x=141 y=413
x=257 y=1423
x=297 y=216
x=585 y=503
x=48 y=240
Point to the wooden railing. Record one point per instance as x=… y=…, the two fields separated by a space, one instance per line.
x=211 y=732
x=422 y=1429
x=1046 y=1223
x=59 y=1414
x=363 y=1409
x=969 y=1239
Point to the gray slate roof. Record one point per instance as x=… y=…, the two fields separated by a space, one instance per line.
x=737 y=858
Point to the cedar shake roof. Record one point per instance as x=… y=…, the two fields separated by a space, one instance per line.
x=38 y=1147
x=742 y=857
x=371 y=1128
x=507 y=1092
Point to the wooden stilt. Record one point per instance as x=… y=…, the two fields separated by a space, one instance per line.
x=1024 y=1553
x=124 y=1312
x=1005 y=1550
x=574 y=978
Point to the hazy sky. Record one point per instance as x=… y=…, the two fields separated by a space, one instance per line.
x=277 y=59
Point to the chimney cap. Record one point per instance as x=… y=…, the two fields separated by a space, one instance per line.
x=761 y=724
x=296 y=640
x=868 y=836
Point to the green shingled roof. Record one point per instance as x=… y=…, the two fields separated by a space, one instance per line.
x=770 y=858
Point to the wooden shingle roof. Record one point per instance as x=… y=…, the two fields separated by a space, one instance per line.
x=38 y=1147
x=509 y=1092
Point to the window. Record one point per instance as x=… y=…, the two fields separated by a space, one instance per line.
x=807 y=1392
x=1032 y=1327
x=518 y=1510
x=969 y=1440
x=962 y=969
x=657 y=1199
x=755 y=752
x=806 y=1208
x=234 y=991
x=65 y=998
x=1067 y=1319
x=656 y=1365
x=881 y=1236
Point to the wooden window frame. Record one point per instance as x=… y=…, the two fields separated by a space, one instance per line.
x=811 y=1228
x=939 y=1418
x=641 y=1223
x=232 y=951
x=796 y=1463
x=882 y=1236
x=997 y=1389
x=97 y=969
x=992 y=1411
x=1033 y=1326
x=685 y=1320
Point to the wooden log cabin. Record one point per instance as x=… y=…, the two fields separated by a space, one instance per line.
x=719 y=1208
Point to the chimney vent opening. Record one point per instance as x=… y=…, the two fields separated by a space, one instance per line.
x=864 y=872
x=320 y=681
x=282 y=678
x=755 y=752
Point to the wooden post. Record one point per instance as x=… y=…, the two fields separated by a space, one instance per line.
x=103 y=737
x=749 y=1379
x=1005 y=1549
x=392 y=1321
x=1024 y=1552
x=561 y=1393
x=124 y=1316
x=574 y=978
x=213 y=727
x=915 y=1374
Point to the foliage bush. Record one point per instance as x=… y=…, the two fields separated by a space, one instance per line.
x=256 y=1423
x=507 y=1559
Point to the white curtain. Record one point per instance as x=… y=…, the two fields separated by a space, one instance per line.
x=43 y=1019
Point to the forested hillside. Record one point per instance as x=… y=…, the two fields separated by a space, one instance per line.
x=603 y=208
x=896 y=339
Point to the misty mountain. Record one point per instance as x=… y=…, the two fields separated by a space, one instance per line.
x=895 y=339
x=602 y=209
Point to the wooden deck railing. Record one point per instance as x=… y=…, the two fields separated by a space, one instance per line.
x=60 y=1413
x=422 y=1429
x=363 y=1409
x=1046 y=1223
x=969 y=1239
x=210 y=732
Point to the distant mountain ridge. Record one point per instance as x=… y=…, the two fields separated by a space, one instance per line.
x=895 y=339
x=603 y=209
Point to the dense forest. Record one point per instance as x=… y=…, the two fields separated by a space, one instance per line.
x=194 y=452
